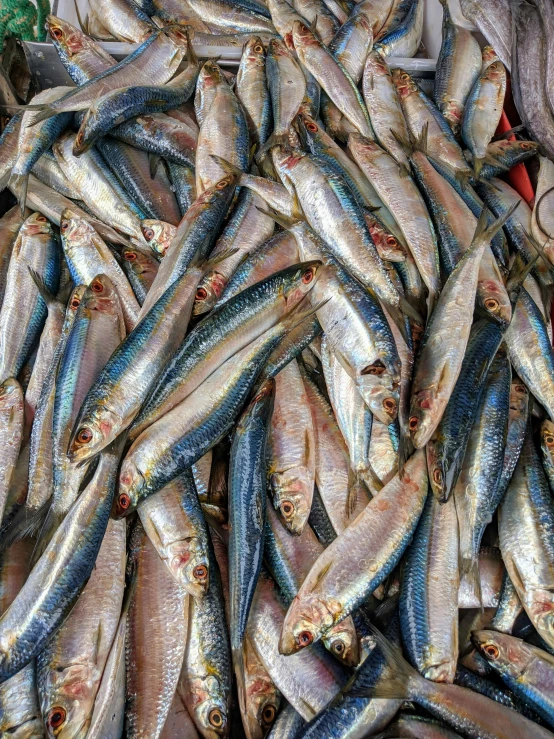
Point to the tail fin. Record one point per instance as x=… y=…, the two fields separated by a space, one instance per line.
x=400 y=681
x=469 y=570
x=50 y=525
x=19 y=184
x=45 y=293
x=24 y=525
x=276 y=139
x=227 y=166
x=486 y=231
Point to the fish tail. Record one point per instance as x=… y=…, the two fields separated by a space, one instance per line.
x=19 y=184
x=477 y=166
x=276 y=139
x=279 y=218
x=486 y=231
x=297 y=316
x=464 y=178
x=408 y=145
x=469 y=569
x=43 y=113
x=227 y=166
x=25 y=524
x=404 y=679
x=45 y=293
x=50 y=525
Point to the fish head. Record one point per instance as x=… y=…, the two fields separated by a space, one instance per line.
x=93 y=431
x=210 y=76
x=131 y=485
x=208 y=292
x=66 y=37
x=435 y=468
x=158 y=235
x=302 y=36
x=307 y=620
x=84 y=138
x=176 y=33
x=141 y=263
x=386 y=244
x=308 y=129
x=298 y=282
x=68 y=712
x=208 y=706
x=75 y=231
x=422 y=419
x=547 y=440
x=508 y=654
x=494 y=299
x=495 y=72
x=277 y=48
x=36 y=224
x=342 y=641
x=189 y=565
x=292 y=496
x=488 y=56
x=254 y=53
x=259 y=699
x=519 y=400
x=380 y=389
x=102 y=296
x=405 y=85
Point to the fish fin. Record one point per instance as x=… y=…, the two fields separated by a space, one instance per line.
x=276 y=139
x=227 y=166
x=320 y=575
x=52 y=520
x=405 y=449
x=191 y=54
x=485 y=231
x=406 y=144
x=538 y=248
x=237 y=654
x=297 y=316
x=208 y=265
x=83 y=26
x=463 y=178
x=477 y=166
x=400 y=683
x=352 y=494
x=372 y=480
x=43 y=113
x=24 y=525
x=517 y=275
x=45 y=293
x=313 y=26
x=469 y=568
x=279 y=218
x=517 y=580
x=397 y=314
x=19 y=183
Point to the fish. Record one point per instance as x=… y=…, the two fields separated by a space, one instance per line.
x=253 y=92
x=458 y=67
x=509 y=607
x=352 y=43
x=8 y=147
x=541 y=225
x=428 y=605
x=495 y=23
x=141 y=270
x=434 y=375
x=291 y=450
x=262 y=699
x=504 y=154
x=326 y=596
x=247 y=504
x=484 y=107
x=48 y=171
x=448 y=444
x=158 y=642
x=125 y=23
x=70 y=668
x=61 y=573
x=10 y=223
x=175 y=525
x=405 y=38
x=23 y=310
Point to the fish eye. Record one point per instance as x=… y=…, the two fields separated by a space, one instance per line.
x=491 y=651
x=200 y=572
x=64 y=225
x=40 y=219
x=520 y=389
x=216 y=718
x=130 y=256
x=311 y=127
x=339 y=647
x=308 y=276
x=97 y=286
x=413 y=423
x=56 y=717
x=258 y=49
x=391 y=241
x=201 y=293
x=437 y=476
x=405 y=76
x=389 y=404
x=268 y=715
x=549 y=440
x=56 y=33
x=124 y=501
x=84 y=436
x=492 y=304
x=75 y=303
x=148 y=234
x=526 y=145
x=287 y=508
x=378 y=368
x=222 y=184
x=304 y=638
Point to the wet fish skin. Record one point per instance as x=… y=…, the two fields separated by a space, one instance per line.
x=332 y=77
x=157 y=628
x=477 y=490
x=82 y=57
x=458 y=67
x=541 y=219
x=8 y=147
x=503 y=154
x=509 y=607
x=176 y=527
x=429 y=399
x=404 y=40
x=448 y=444
x=529 y=349
x=141 y=270
x=48 y=171
x=288 y=723
x=495 y=23
x=69 y=669
x=287 y=87
x=161 y=135
x=261 y=702
x=23 y=310
x=11 y=434
x=316 y=609
x=126 y=23
x=247 y=503
x=252 y=90
x=524 y=515
x=484 y=106
x=205 y=681
x=225 y=330
x=60 y=574
x=351 y=44
x=10 y=223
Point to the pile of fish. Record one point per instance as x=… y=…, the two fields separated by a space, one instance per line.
x=277 y=384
